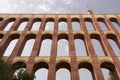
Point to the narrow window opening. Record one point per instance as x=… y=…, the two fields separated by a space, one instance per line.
x=97 y=47
x=63 y=48
x=116 y=25
x=28 y=47
x=41 y=74
x=114 y=47
x=9 y=25
x=108 y=75
x=89 y=25
x=45 y=47
x=63 y=74
x=62 y=26
x=36 y=26
x=49 y=26
x=10 y=47
x=76 y=26
x=85 y=74
x=80 y=47
x=102 y=25
x=22 y=26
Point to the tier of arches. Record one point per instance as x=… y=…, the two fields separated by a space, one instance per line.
x=62 y=23
x=62 y=44
x=63 y=70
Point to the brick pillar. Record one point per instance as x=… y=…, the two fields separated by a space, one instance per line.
x=74 y=67
x=36 y=47
x=52 y=65
x=96 y=67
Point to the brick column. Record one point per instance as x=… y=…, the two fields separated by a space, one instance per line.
x=74 y=67
x=97 y=74
x=52 y=65
x=36 y=47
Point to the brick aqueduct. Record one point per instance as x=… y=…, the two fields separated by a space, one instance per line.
x=53 y=62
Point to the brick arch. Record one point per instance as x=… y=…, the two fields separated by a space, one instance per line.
x=49 y=20
x=39 y=65
x=30 y=36
x=23 y=19
x=63 y=36
x=95 y=36
x=63 y=64
x=46 y=36
x=37 y=19
x=62 y=19
x=1 y=18
x=18 y=64
x=1 y=36
x=79 y=36
x=86 y=65
x=101 y=19
x=75 y=20
x=113 y=19
x=88 y=19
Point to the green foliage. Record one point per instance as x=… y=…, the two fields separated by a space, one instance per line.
x=6 y=73
x=111 y=77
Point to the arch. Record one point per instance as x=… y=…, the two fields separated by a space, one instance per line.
x=45 y=48
x=1 y=36
x=23 y=24
x=10 y=44
x=10 y=47
x=63 y=71
x=36 y=26
x=41 y=71
x=1 y=19
x=109 y=71
x=28 y=47
x=63 y=36
x=49 y=26
x=85 y=71
x=18 y=65
x=80 y=47
x=88 y=23
x=62 y=26
x=114 y=21
x=9 y=25
x=62 y=47
x=76 y=26
x=99 y=50
x=102 y=23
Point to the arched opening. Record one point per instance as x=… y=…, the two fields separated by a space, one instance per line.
x=63 y=71
x=109 y=71
x=49 y=26
x=22 y=26
x=85 y=74
x=76 y=25
x=28 y=47
x=36 y=26
x=114 y=21
x=1 y=36
x=88 y=23
x=115 y=24
x=62 y=26
x=114 y=47
x=45 y=47
x=62 y=47
x=80 y=47
x=10 y=47
x=18 y=69
x=85 y=71
x=102 y=25
x=97 y=47
x=41 y=71
x=9 y=25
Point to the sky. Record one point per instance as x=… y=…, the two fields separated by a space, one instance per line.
x=58 y=7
